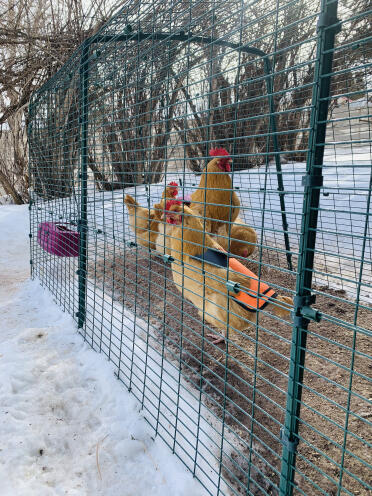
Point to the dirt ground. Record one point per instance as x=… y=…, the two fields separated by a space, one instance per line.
x=255 y=403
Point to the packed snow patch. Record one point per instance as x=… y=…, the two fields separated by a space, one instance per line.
x=67 y=426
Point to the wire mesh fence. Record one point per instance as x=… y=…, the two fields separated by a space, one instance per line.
x=200 y=202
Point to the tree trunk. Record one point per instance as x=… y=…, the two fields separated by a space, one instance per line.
x=10 y=190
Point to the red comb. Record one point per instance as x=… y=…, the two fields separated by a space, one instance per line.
x=173 y=189
x=170 y=203
x=218 y=152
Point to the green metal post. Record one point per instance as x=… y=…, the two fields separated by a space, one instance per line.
x=328 y=26
x=82 y=272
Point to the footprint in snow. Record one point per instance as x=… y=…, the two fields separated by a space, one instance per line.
x=33 y=335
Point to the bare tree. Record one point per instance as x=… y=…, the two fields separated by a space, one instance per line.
x=36 y=38
x=229 y=105
x=146 y=98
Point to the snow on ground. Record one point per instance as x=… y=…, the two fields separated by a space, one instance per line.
x=67 y=426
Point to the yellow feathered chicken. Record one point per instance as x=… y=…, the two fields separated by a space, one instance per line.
x=144 y=222
x=215 y=200
x=201 y=271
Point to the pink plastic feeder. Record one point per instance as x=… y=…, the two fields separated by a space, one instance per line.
x=58 y=239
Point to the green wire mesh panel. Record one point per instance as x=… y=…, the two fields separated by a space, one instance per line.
x=55 y=205
x=335 y=431
x=140 y=105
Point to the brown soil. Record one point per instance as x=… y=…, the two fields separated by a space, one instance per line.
x=326 y=376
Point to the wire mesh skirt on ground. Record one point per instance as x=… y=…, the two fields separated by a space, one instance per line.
x=282 y=405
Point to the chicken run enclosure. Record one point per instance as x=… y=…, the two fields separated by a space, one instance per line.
x=278 y=401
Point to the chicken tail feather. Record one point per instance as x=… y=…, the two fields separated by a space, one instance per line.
x=130 y=201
